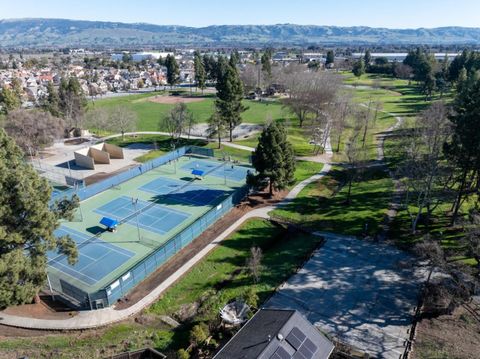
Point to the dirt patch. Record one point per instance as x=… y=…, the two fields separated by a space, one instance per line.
x=100 y=176
x=46 y=308
x=448 y=336
x=173 y=100
x=75 y=141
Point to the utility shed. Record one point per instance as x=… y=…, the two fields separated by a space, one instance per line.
x=277 y=334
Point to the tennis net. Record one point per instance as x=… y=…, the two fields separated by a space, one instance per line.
x=176 y=190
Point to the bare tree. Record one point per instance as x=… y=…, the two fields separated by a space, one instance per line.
x=123 y=119
x=252 y=77
x=402 y=71
x=98 y=118
x=310 y=93
x=424 y=173
x=356 y=158
x=177 y=121
x=254 y=263
x=431 y=251
x=216 y=128
x=33 y=129
x=365 y=116
x=344 y=109
x=472 y=237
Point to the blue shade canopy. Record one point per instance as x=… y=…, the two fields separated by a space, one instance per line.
x=197 y=173
x=109 y=222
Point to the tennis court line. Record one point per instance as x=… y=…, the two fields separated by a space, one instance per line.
x=68 y=269
x=101 y=242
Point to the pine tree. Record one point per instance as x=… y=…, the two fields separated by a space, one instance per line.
x=266 y=61
x=274 y=158
x=9 y=101
x=26 y=226
x=229 y=95
x=173 y=70
x=52 y=102
x=359 y=68
x=330 y=57
x=73 y=102
x=463 y=150
x=200 y=75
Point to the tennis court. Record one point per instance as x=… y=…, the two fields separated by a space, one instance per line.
x=182 y=191
x=154 y=217
x=95 y=259
x=171 y=209
x=229 y=171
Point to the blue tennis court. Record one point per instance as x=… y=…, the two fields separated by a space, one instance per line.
x=156 y=218
x=96 y=259
x=230 y=171
x=191 y=194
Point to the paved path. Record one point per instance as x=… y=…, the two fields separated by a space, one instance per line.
x=103 y=317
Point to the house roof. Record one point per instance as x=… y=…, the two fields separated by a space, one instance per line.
x=277 y=334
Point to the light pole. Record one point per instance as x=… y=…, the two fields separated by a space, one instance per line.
x=134 y=202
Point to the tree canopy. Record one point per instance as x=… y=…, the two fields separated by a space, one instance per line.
x=274 y=158
x=173 y=70
x=33 y=129
x=27 y=224
x=229 y=95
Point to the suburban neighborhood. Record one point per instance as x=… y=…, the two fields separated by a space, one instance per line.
x=195 y=181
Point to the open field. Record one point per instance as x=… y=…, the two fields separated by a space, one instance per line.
x=150 y=113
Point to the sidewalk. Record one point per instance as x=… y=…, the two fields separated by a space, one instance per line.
x=103 y=317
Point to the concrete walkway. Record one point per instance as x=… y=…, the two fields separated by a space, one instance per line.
x=192 y=137
x=103 y=317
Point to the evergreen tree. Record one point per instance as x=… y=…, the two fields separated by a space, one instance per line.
x=200 y=75
x=274 y=158
x=359 y=68
x=463 y=150
x=173 y=70
x=73 y=102
x=330 y=57
x=367 y=58
x=266 y=61
x=9 y=101
x=229 y=95
x=52 y=101
x=210 y=66
x=26 y=226
x=235 y=57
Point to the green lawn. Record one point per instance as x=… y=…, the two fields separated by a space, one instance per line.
x=322 y=205
x=150 y=113
x=223 y=268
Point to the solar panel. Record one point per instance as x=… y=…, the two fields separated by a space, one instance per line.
x=280 y=353
x=298 y=355
x=310 y=346
x=305 y=352
x=295 y=338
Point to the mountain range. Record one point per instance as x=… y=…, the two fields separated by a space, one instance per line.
x=58 y=33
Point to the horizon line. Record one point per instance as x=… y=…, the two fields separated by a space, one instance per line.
x=259 y=24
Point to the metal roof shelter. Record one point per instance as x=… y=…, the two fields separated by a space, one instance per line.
x=109 y=222
x=277 y=334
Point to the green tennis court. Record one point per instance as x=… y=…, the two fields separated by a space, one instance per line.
x=159 y=211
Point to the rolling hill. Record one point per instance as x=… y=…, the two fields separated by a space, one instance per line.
x=76 y=33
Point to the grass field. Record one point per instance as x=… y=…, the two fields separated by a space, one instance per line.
x=150 y=113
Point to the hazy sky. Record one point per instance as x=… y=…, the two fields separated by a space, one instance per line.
x=375 y=13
